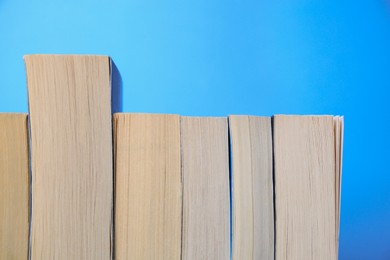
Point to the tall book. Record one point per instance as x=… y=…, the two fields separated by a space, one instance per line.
x=72 y=161
x=14 y=187
x=206 y=203
x=307 y=155
x=147 y=186
x=252 y=187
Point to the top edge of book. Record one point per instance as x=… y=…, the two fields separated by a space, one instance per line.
x=13 y=114
x=307 y=116
x=142 y=114
x=26 y=56
x=241 y=115
x=204 y=117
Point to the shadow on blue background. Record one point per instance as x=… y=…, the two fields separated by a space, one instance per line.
x=116 y=89
x=236 y=57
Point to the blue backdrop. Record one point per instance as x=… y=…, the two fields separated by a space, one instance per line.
x=215 y=57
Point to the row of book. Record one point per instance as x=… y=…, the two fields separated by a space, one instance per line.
x=78 y=181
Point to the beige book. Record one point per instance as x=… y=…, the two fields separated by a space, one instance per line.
x=252 y=187
x=72 y=159
x=14 y=187
x=205 y=170
x=307 y=154
x=147 y=186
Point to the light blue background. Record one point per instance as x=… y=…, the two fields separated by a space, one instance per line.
x=217 y=57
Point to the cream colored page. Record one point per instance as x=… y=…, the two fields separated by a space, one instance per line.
x=205 y=170
x=148 y=186
x=252 y=187
x=14 y=187
x=72 y=166
x=305 y=191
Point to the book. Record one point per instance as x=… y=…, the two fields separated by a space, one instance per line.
x=307 y=158
x=206 y=202
x=252 y=187
x=147 y=186
x=71 y=156
x=14 y=186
